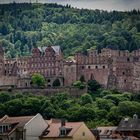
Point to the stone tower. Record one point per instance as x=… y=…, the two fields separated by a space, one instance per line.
x=1 y=60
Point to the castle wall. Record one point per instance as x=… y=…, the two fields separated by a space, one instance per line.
x=136 y=77
x=111 y=68
x=70 y=73
x=99 y=72
x=8 y=80
x=72 y=91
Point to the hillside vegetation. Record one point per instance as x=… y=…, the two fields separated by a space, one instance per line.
x=24 y=26
x=102 y=107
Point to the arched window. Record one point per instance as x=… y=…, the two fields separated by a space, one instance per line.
x=56 y=83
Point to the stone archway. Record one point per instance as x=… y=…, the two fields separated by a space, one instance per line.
x=56 y=83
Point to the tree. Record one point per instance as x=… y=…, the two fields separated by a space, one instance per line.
x=86 y=99
x=93 y=85
x=104 y=104
x=4 y=97
x=114 y=116
x=38 y=80
x=4 y=28
x=138 y=26
x=79 y=84
x=13 y=107
x=128 y=108
x=85 y=114
x=82 y=79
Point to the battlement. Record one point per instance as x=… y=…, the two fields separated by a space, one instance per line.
x=95 y=57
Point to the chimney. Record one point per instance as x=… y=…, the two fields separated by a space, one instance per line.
x=63 y=122
x=135 y=116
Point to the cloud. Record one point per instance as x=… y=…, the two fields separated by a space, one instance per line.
x=120 y=5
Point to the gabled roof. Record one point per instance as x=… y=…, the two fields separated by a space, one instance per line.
x=16 y=122
x=55 y=48
x=11 y=120
x=54 y=131
x=106 y=130
x=36 y=50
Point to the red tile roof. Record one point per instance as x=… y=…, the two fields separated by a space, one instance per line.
x=53 y=129
x=15 y=121
x=11 y=120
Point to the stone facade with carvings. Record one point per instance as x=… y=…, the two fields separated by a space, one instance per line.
x=113 y=69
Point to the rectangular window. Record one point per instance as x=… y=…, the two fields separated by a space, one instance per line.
x=96 y=67
x=103 y=67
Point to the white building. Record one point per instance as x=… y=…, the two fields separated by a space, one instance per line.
x=22 y=128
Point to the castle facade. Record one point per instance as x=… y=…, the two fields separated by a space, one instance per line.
x=113 y=69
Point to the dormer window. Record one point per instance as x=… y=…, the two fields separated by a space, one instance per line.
x=63 y=131
x=4 y=129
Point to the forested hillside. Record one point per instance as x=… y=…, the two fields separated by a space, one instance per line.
x=97 y=109
x=24 y=26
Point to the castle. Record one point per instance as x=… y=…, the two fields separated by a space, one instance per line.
x=113 y=69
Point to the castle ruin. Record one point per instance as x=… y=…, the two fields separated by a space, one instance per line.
x=113 y=69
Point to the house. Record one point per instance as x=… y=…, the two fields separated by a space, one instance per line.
x=129 y=127
x=108 y=132
x=67 y=131
x=95 y=132
x=22 y=128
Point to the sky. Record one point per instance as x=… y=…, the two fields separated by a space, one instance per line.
x=120 y=5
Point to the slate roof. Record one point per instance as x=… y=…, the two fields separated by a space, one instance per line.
x=55 y=48
x=129 y=124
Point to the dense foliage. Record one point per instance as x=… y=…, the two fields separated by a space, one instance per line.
x=102 y=108
x=38 y=80
x=24 y=26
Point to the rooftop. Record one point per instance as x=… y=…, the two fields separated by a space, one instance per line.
x=10 y=120
x=54 y=129
x=11 y=123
